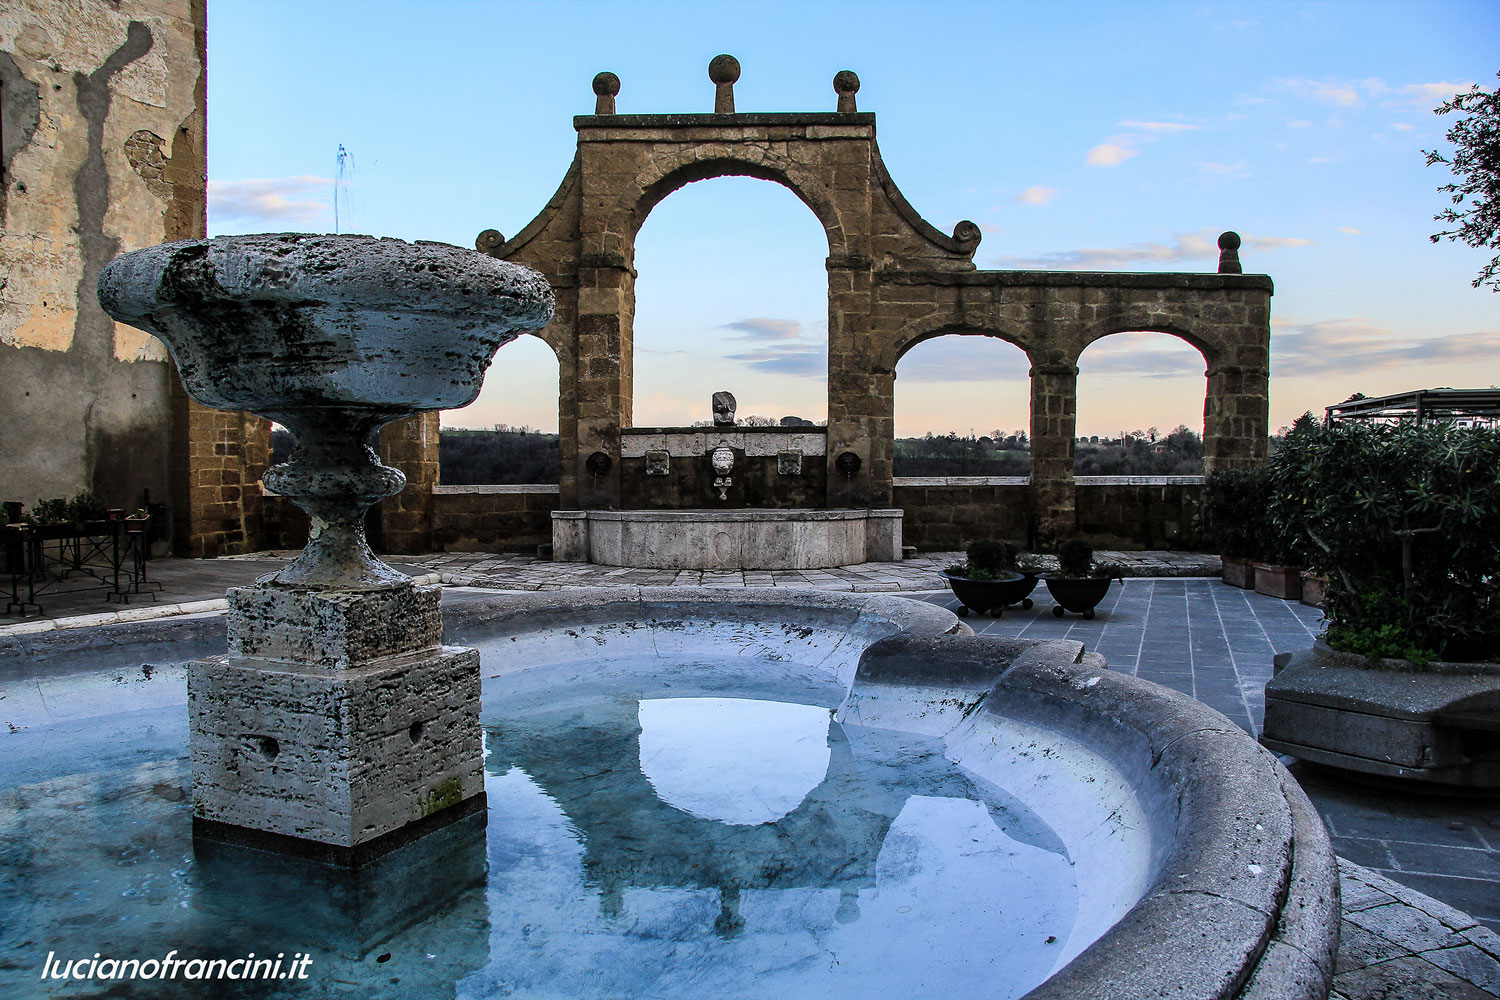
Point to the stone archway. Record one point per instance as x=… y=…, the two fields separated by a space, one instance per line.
x=893 y=279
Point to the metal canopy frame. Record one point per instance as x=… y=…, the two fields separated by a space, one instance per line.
x=1480 y=405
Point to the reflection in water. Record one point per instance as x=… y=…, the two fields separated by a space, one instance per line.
x=621 y=864
x=736 y=760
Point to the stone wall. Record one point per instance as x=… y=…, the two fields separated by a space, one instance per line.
x=1154 y=512
x=945 y=513
x=103 y=152
x=104 y=117
x=492 y=518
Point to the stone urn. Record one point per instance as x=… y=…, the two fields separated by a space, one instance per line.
x=333 y=337
x=338 y=725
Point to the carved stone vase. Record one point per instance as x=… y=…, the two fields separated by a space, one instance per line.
x=338 y=724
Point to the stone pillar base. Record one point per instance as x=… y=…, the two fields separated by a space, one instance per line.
x=354 y=732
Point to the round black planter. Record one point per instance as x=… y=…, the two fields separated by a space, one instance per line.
x=991 y=596
x=1077 y=594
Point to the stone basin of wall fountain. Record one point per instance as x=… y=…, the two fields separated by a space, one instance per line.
x=769 y=793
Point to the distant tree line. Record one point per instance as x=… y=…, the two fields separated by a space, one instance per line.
x=503 y=456
x=510 y=455
x=1134 y=453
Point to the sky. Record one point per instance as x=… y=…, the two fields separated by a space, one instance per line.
x=1078 y=135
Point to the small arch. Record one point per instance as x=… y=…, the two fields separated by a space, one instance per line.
x=1139 y=381
x=703 y=162
x=1207 y=346
x=925 y=330
x=514 y=395
x=979 y=417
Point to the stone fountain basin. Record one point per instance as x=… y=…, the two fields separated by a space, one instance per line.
x=272 y=322
x=1203 y=870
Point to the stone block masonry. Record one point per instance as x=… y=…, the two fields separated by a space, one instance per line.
x=336 y=722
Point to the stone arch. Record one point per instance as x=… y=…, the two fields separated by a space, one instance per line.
x=688 y=164
x=919 y=333
x=1210 y=346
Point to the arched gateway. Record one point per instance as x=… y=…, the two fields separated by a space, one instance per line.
x=893 y=281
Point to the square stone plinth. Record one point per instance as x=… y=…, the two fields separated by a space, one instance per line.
x=333 y=630
x=337 y=757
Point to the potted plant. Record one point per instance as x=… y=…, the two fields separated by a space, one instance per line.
x=1079 y=583
x=989 y=581
x=1235 y=511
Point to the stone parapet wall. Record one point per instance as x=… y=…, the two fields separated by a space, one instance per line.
x=493 y=518
x=1154 y=512
x=946 y=513
x=946 y=518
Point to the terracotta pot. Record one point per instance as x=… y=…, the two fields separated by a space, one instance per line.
x=1284 y=582
x=1312 y=588
x=1238 y=572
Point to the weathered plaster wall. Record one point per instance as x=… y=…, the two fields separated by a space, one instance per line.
x=103 y=114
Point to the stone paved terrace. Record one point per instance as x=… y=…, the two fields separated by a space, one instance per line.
x=1421 y=873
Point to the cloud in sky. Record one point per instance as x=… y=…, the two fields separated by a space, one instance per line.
x=1110 y=154
x=1037 y=194
x=778 y=347
x=274 y=200
x=1430 y=95
x=1160 y=126
x=1353 y=346
x=1344 y=93
x=1351 y=230
x=962 y=359
x=1196 y=246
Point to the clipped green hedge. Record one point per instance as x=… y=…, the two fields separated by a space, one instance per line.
x=1404 y=519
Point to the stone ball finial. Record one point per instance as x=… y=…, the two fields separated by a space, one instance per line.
x=606 y=88
x=1229 y=253
x=724 y=70
x=846 y=85
x=966 y=231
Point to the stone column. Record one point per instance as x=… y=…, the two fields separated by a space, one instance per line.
x=410 y=445
x=605 y=376
x=1054 y=420
x=861 y=403
x=1236 y=417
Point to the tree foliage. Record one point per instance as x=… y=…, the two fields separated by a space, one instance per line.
x=1476 y=165
x=1405 y=521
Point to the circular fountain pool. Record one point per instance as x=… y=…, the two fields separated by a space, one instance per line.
x=763 y=794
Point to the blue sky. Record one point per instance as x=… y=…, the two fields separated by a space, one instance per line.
x=1113 y=136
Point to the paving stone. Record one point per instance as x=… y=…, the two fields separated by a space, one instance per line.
x=1406 y=924
x=1407 y=978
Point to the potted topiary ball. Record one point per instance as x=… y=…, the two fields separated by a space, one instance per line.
x=989 y=581
x=1079 y=583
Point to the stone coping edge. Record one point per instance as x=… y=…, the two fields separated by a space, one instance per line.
x=150 y=612
x=1241 y=849
x=711 y=516
x=543 y=609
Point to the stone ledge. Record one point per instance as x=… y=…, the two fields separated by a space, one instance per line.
x=1196 y=281
x=900 y=481
x=494 y=488
x=865 y=120
x=1139 y=480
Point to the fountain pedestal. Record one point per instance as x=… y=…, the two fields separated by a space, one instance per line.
x=338 y=718
x=338 y=725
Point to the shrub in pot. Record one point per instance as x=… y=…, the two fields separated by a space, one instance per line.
x=1079 y=583
x=989 y=581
